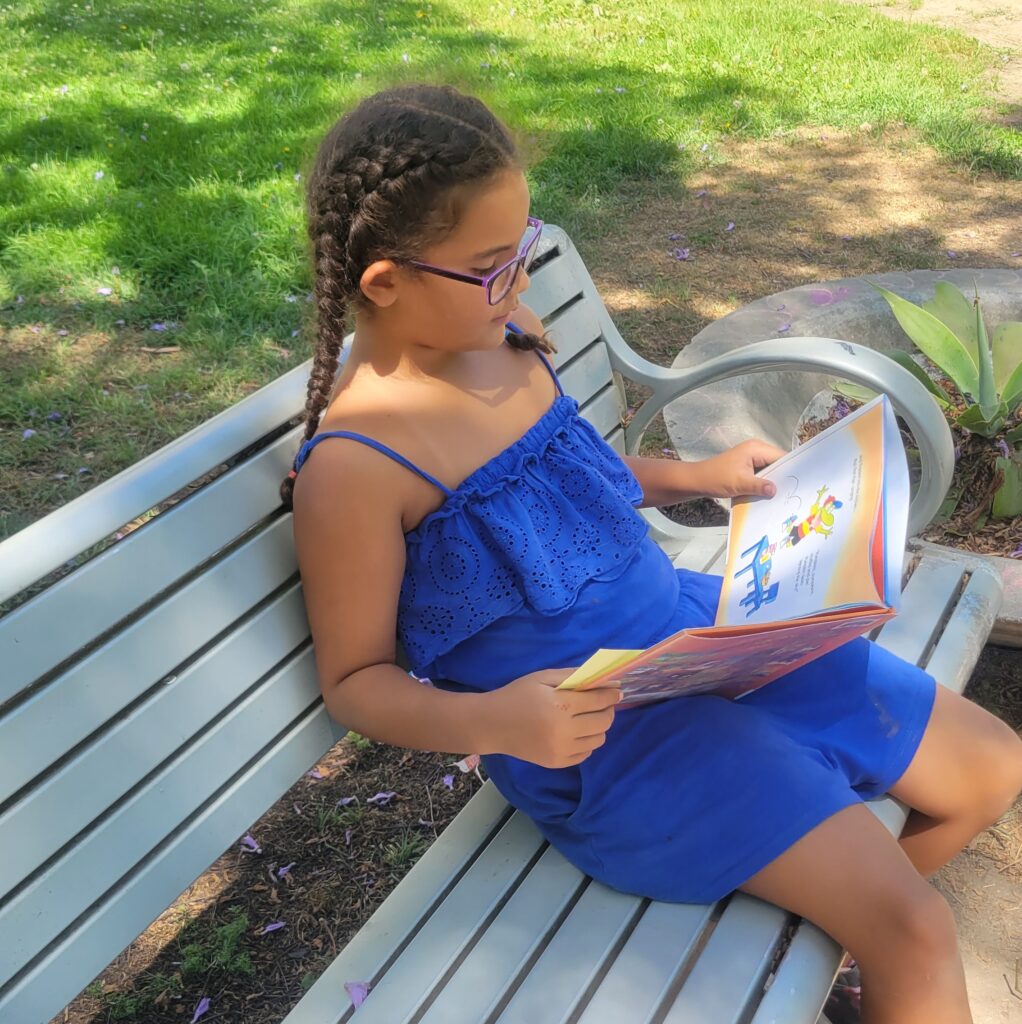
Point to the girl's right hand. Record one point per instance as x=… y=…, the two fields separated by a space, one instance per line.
x=532 y=720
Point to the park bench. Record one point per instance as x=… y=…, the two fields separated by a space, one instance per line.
x=158 y=693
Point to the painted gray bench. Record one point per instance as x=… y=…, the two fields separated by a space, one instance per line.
x=161 y=694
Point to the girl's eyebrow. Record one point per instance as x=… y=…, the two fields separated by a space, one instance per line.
x=493 y=251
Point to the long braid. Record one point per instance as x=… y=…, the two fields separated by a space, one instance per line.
x=378 y=190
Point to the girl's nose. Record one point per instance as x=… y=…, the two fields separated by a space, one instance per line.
x=522 y=283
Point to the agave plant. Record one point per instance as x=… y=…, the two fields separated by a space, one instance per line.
x=985 y=368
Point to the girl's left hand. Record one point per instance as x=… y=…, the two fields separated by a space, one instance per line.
x=733 y=473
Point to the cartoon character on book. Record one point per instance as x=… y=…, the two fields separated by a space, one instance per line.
x=761 y=592
x=820 y=520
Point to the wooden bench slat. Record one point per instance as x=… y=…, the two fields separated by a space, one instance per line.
x=74 y=960
x=588 y=374
x=555 y=286
x=603 y=411
x=58 y=806
x=740 y=950
x=661 y=947
x=101 y=592
x=504 y=950
x=115 y=842
x=573 y=329
x=442 y=940
x=65 y=712
x=587 y=938
x=927 y=599
x=415 y=898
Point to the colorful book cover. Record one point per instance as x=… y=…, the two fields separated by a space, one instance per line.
x=806 y=570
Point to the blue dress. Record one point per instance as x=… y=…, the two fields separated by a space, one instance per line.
x=538 y=559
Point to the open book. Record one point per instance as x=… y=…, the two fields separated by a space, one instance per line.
x=807 y=570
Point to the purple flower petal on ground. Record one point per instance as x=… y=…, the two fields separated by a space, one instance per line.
x=958 y=452
x=104 y=291
x=157 y=327
x=1016 y=254
x=1017 y=553
x=345 y=800
x=1003 y=448
x=841 y=408
x=704 y=147
x=60 y=476
x=701 y=193
x=98 y=176
x=315 y=773
x=680 y=254
x=119 y=323
x=730 y=226
x=82 y=470
x=62 y=333
x=285 y=870
x=448 y=781
x=26 y=434
x=347 y=837
x=54 y=416
x=250 y=844
x=357 y=992
x=780 y=308
x=951 y=254
x=783 y=328
x=846 y=238
x=297 y=809
x=201 y=1009
x=382 y=799
x=272 y=927
x=674 y=237
x=294 y=334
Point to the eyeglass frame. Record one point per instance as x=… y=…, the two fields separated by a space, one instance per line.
x=520 y=257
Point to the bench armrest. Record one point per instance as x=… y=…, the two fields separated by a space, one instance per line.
x=849 y=361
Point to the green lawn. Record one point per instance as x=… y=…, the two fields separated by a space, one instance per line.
x=150 y=163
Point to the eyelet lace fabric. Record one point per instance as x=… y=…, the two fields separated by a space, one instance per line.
x=530 y=527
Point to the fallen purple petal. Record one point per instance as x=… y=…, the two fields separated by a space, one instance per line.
x=104 y=291
x=783 y=328
x=54 y=416
x=382 y=799
x=201 y=1009
x=26 y=434
x=1002 y=446
x=345 y=800
x=704 y=147
x=98 y=175
x=119 y=323
x=951 y=254
x=274 y=926
x=841 y=408
x=60 y=476
x=297 y=809
x=701 y=193
x=780 y=308
x=347 y=837
x=422 y=821
x=315 y=773
x=448 y=781
x=674 y=237
x=285 y=870
x=62 y=333
x=82 y=470
x=846 y=238
x=250 y=844
x=1015 y=255
x=157 y=327
x=730 y=226
x=680 y=254
x=357 y=992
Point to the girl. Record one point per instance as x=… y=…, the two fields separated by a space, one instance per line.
x=463 y=505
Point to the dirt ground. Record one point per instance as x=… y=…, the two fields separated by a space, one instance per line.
x=809 y=206
x=997 y=23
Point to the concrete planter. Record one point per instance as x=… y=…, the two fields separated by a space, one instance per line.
x=769 y=405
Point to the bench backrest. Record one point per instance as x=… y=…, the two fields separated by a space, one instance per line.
x=158 y=691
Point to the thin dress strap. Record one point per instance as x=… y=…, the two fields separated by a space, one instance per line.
x=303 y=454
x=515 y=329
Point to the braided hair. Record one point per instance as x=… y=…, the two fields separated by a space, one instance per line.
x=384 y=185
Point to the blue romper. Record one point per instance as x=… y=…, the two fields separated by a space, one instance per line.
x=539 y=558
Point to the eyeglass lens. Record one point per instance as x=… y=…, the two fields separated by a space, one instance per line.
x=505 y=281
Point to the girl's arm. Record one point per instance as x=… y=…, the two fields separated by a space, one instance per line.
x=728 y=475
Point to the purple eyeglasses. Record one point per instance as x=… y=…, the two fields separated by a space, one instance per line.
x=499 y=282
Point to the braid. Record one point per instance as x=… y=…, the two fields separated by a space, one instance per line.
x=383 y=186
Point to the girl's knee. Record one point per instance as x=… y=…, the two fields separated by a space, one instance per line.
x=914 y=922
x=1002 y=771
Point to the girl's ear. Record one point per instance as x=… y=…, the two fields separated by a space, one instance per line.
x=379 y=282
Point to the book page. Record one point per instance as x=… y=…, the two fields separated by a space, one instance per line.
x=810 y=547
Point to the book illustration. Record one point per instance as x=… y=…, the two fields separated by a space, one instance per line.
x=761 y=591
x=820 y=520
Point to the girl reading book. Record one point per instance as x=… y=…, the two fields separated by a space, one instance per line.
x=448 y=494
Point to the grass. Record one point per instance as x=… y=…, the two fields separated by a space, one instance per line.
x=158 y=152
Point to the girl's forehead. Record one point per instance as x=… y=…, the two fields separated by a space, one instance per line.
x=494 y=215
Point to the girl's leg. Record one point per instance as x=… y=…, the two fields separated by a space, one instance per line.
x=850 y=877
x=966 y=773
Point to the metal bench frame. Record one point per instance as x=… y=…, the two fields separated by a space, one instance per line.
x=159 y=693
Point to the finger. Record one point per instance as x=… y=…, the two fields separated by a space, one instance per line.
x=595 y=721
x=596 y=699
